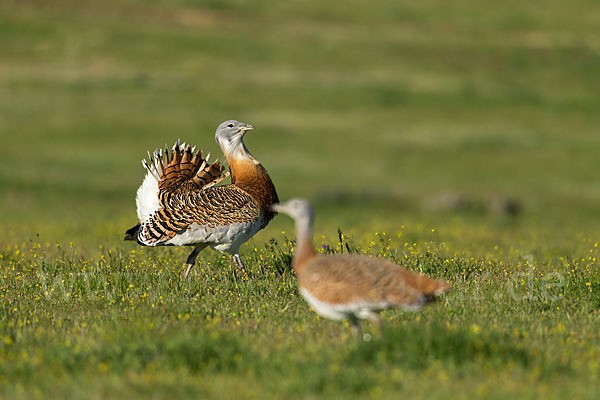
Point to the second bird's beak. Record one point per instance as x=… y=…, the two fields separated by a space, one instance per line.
x=275 y=207
x=247 y=127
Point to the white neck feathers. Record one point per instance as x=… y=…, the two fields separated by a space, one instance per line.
x=304 y=228
x=236 y=149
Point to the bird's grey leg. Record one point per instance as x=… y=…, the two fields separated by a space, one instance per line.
x=191 y=260
x=374 y=316
x=237 y=260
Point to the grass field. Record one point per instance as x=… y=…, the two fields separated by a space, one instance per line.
x=400 y=121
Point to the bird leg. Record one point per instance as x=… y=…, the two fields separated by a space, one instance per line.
x=355 y=324
x=191 y=260
x=237 y=260
x=374 y=316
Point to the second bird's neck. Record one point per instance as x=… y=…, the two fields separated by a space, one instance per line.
x=304 y=247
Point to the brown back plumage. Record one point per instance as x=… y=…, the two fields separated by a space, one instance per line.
x=348 y=279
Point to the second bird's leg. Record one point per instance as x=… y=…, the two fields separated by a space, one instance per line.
x=191 y=260
x=355 y=325
x=374 y=316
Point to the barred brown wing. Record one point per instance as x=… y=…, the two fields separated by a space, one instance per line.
x=213 y=207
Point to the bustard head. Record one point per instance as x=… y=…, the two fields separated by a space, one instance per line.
x=229 y=135
x=299 y=209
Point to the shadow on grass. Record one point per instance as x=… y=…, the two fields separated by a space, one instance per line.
x=417 y=347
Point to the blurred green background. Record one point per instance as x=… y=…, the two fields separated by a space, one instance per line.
x=425 y=113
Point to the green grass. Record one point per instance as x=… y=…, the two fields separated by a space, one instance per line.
x=127 y=324
x=376 y=112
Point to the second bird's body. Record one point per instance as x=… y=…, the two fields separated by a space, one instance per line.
x=352 y=287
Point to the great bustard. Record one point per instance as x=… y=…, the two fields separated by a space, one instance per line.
x=178 y=203
x=352 y=287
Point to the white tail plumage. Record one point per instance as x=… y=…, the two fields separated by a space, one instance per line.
x=146 y=199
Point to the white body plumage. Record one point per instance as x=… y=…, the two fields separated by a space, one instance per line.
x=226 y=238
x=361 y=310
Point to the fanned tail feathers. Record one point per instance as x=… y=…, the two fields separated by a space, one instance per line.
x=175 y=171
x=184 y=170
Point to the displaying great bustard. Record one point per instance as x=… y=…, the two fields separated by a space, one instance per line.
x=179 y=203
x=352 y=287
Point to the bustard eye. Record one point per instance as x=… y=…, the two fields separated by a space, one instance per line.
x=230 y=126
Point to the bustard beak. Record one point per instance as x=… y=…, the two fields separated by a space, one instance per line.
x=246 y=127
x=276 y=207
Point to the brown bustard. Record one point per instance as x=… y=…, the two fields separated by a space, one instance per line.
x=352 y=287
x=179 y=204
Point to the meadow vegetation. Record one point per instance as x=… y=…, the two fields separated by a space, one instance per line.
x=405 y=123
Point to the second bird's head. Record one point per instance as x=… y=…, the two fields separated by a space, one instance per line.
x=297 y=208
x=229 y=135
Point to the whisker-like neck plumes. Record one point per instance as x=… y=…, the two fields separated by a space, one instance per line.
x=237 y=150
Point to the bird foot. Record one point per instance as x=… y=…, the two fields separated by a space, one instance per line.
x=188 y=268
